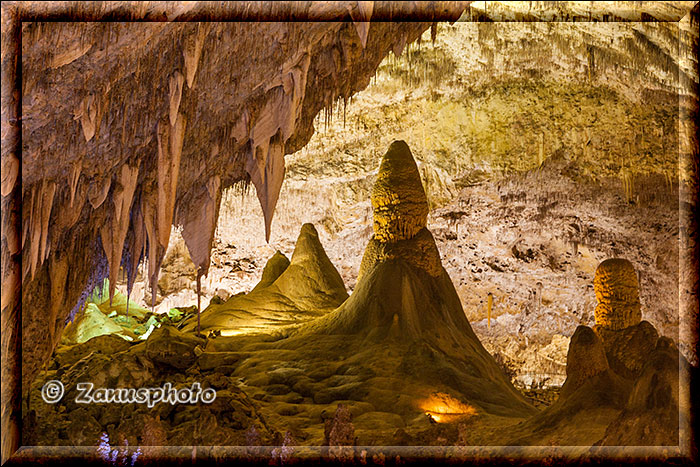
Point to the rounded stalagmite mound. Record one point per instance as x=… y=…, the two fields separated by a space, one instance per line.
x=398 y=198
x=585 y=359
x=617 y=291
x=274 y=268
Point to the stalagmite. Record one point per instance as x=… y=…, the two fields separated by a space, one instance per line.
x=585 y=359
x=400 y=211
x=398 y=198
x=109 y=72
x=617 y=291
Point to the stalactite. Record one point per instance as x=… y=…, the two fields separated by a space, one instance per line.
x=113 y=233
x=176 y=82
x=399 y=46
x=169 y=152
x=74 y=177
x=192 y=51
x=47 y=194
x=58 y=275
x=98 y=191
x=155 y=250
x=361 y=15
x=489 y=307
x=99 y=271
x=70 y=214
x=135 y=245
x=87 y=114
x=268 y=179
x=198 y=222
x=345 y=104
x=34 y=232
x=10 y=172
x=199 y=302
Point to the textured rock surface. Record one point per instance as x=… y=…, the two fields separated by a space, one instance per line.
x=585 y=359
x=273 y=269
x=400 y=207
x=405 y=298
x=420 y=250
x=296 y=290
x=67 y=423
x=627 y=349
x=168 y=346
x=617 y=291
x=651 y=416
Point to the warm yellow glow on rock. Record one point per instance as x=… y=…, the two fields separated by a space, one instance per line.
x=443 y=408
x=617 y=290
x=398 y=198
x=232 y=332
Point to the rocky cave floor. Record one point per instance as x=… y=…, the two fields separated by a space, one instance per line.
x=539 y=233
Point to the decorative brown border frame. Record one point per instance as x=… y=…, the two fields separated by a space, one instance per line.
x=15 y=12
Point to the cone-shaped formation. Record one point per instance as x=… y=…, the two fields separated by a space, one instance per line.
x=405 y=300
x=289 y=291
x=588 y=402
x=398 y=199
x=311 y=280
x=585 y=359
x=617 y=290
x=273 y=269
